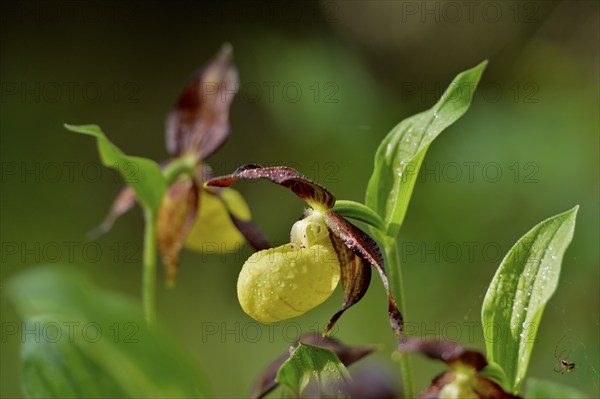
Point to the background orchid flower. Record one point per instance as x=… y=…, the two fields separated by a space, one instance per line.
x=465 y=380
x=192 y=214
x=271 y=279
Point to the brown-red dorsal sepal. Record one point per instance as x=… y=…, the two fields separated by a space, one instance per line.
x=312 y=193
x=199 y=122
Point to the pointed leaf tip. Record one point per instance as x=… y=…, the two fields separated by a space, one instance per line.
x=402 y=151
x=522 y=286
x=141 y=174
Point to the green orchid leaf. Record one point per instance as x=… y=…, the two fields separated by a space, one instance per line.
x=53 y=367
x=540 y=389
x=525 y=281
x=266 y=382
x=141 y=174
x=85 y=342
x=358 y=211
x=401 y=152
x=308 y=360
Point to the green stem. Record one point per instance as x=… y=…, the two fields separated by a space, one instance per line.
x=149 y=272
x=177 y=167
x=396 y=282
x=358 y=211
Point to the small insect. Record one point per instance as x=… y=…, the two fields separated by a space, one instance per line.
x=563 y=365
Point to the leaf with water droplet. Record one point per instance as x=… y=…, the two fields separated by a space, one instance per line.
x=320 y=363
x=141 y=174
x=401 y=152
x=521 y=288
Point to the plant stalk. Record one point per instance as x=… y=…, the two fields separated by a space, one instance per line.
x=396 y=282
x=149 y=272
x=177 y=167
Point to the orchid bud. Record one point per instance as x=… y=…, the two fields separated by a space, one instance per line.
x=284 y=282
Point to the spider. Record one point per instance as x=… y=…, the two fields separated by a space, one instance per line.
x=563 y=365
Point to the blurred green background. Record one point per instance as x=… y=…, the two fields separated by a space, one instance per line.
x=321 y=84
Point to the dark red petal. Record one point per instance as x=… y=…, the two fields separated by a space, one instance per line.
x=253 y=235
x=199 y=122
x=355 y=275
x=488 y=389
x=449 y=352
x=454 y=354
x=433 y=391
x=367 y=249
x=124 y=202
x=309 y=191
x=485 y=389
x=347 y=355
x=175 y=219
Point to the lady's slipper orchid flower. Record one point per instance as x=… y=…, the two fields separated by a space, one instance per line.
x=191 y=214
x=287 y=281
x=465 y=380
